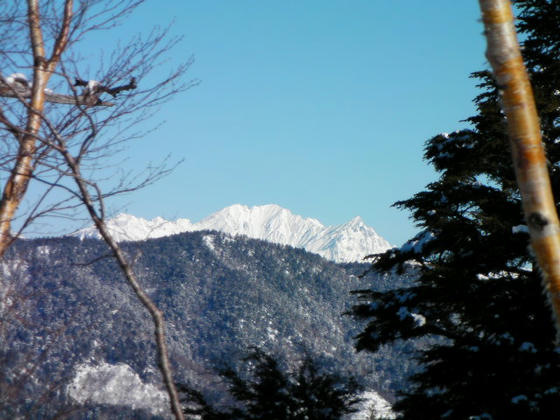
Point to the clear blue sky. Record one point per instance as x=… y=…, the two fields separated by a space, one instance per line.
x=322 y=107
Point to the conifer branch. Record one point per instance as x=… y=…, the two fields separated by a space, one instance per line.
x=528 y=153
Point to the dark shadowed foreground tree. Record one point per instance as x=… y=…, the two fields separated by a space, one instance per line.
x=59 y=134
x=479 y=291
x=262 y=389
x=529 y=159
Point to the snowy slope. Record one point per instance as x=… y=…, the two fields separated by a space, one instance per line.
x=345 y=243
x=126 y=227
x=372 y=404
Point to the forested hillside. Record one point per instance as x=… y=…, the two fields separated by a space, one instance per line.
x=70 y=311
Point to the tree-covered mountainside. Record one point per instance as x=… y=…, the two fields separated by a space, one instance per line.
x=479 y=290
x=68 y=310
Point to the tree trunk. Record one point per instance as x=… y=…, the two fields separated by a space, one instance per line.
x=17 y=182
x=529 y=159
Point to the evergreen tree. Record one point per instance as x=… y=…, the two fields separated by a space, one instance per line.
x=478 y=293
x=262 y=389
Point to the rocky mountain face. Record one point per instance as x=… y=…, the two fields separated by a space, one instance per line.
x=76 y=341
x=349 y=242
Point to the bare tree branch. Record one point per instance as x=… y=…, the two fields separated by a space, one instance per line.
x=16 y=185
x=57 y=98
x=98 y=88
x=126 y=268
x=69 y=149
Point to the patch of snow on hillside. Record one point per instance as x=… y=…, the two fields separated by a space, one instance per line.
x=375 y=404
x=116 y=385
x=209 y=242
x=43 y=250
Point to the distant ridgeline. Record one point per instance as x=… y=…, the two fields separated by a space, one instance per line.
x=349 y=242
x=69 y=318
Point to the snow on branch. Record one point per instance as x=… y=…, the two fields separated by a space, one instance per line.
x=94 y=87
x=17 y=86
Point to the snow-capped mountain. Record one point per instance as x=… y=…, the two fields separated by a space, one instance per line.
x=126 y=227
x=348 y=242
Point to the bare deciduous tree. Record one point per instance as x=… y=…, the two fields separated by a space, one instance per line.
x=58 y=132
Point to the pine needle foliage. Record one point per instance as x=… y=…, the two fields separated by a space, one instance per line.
x=261 y=388
x=478 y=294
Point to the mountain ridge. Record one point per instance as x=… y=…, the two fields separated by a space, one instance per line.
x=221 y=295
x=348 y=242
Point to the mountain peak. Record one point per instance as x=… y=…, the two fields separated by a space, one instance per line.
x=356 y=221
x=348 y=242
